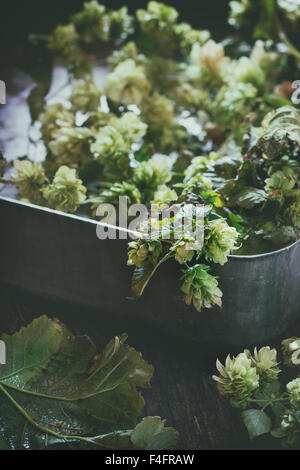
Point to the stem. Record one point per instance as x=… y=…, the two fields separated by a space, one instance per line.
x=4 y=181
x=287 y=42
x=270 y=402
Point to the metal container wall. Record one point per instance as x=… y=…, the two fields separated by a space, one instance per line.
x=58 y=256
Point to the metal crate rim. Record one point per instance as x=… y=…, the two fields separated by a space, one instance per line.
x=95 y=222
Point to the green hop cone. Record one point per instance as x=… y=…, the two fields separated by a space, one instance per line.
x=183 y=253
x=211 y=61
x=53 y=118
x=151 y=174
x=128 y=51
x=246 y=70
x=238 y=379
x=130 y=127
x=233 y=103
x=143 y=253
x=108 y=142
x=200 y=288
x=127 y=83
x=66 y=191
x=112 y=151
x=85 y=96
x=157 y=17
x=71 y=145
x=164 y=195
x=288 y=429
x=291 y=351
x=265 y=361
x=121 y=24
x=220 y=240
x=293 y=389
x=92 y=23
x=157 y=112
x=157 y=24
x=112 y=194
x=187 y=36
x=66 y=41
x=29 y=179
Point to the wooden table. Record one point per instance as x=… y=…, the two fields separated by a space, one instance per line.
x=182 y=389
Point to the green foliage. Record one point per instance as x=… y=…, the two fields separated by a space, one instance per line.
x=269 y=19
x=57 y=393
x=251 y=382
x=257 y=422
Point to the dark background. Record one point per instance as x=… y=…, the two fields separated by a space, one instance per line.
x=19 y=18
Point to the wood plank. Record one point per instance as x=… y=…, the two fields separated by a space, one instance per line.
x=182 y=389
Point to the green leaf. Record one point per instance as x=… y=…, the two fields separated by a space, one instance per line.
x=142 y=275
x=269 y=394
x=249 y=197
x=55 y=391
x=283 y=131
x=257 y=422
x=267 y=27
x=151 y=434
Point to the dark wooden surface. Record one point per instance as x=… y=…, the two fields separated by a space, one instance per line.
x=182 y=389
